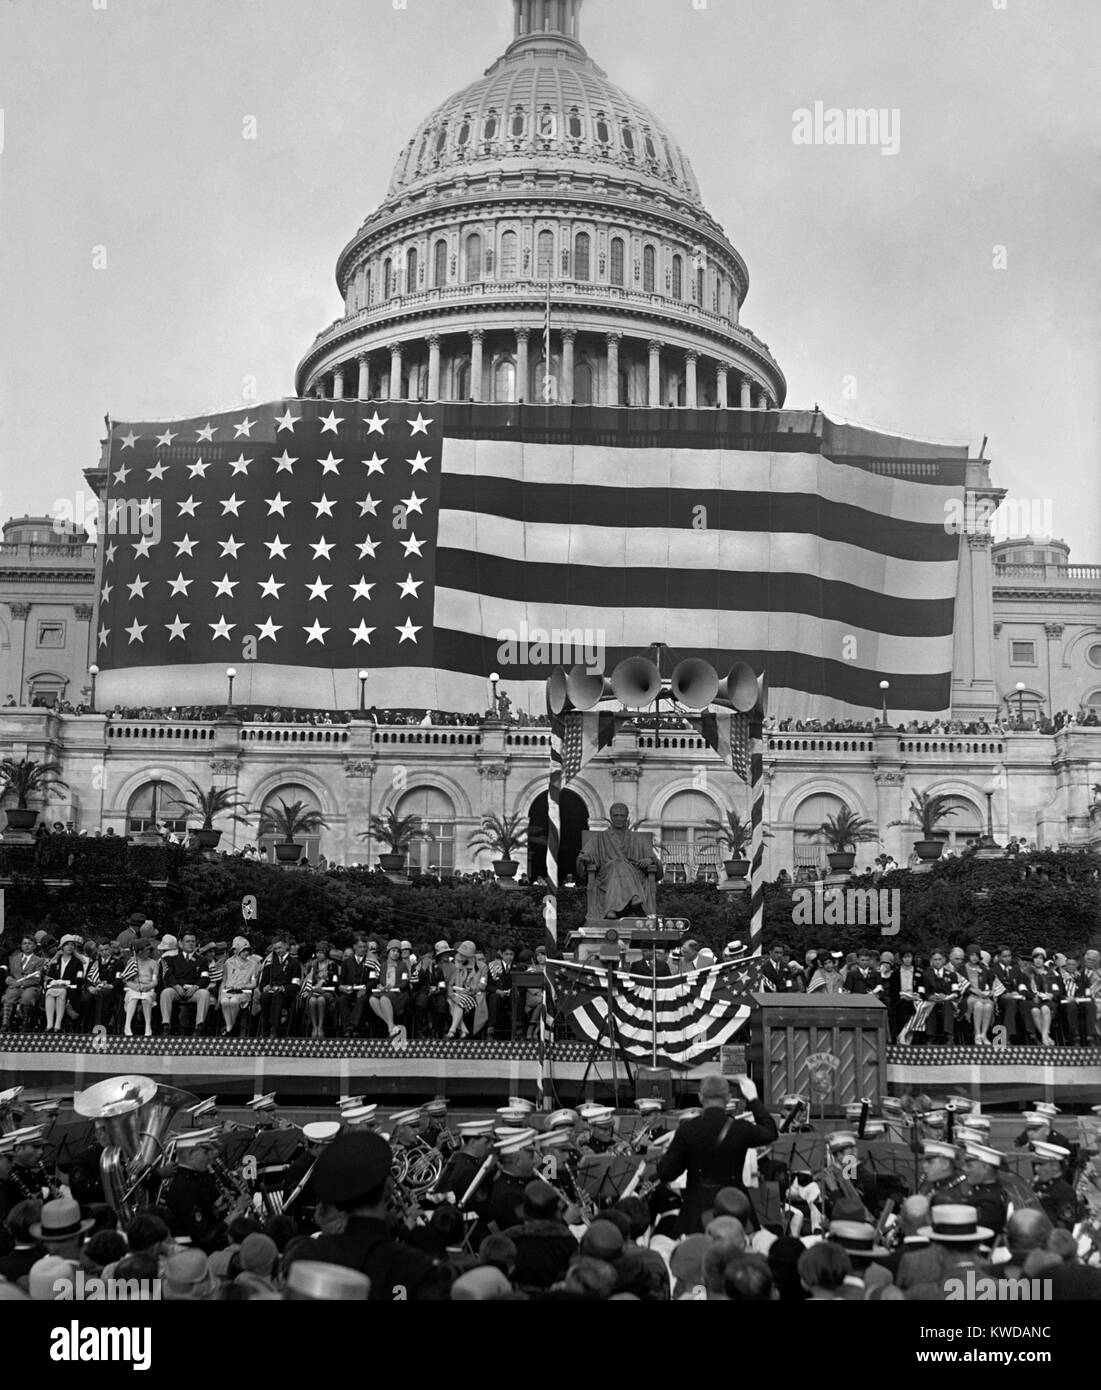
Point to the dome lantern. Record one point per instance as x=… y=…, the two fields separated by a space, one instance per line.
x=537 y=20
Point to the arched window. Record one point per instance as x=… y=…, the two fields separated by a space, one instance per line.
x=490 y=126
x=441 y=141
x=387 y=278
x=518 y=124
x=368 y=288
x=437 y=815
x=463 y=138
x=1093 y=702
x=651 y=152
x=289 y=794
x=717 y=295
x=509 y=244
x=462 y=381
x=701 y=277
x=616 y=264
x=581 y=247
x=439 y=264
x=411 y=270
x=156 y=805
x=961 y=829
x=545 y=257
x=810 y=852
x=575 y=125
x=603 y=130
x=504 y=381
x=683 y=829
x=649 y=262
x=473 y=258
x=583 y=384
x=678 y=277
x=628 y=137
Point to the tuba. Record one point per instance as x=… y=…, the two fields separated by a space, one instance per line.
x=135 y=1112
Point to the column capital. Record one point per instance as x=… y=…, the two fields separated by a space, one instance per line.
x=434 y=339
x=611 y=338
x=1054 y=631
x=655 y=346
x=395 y=350
x=523 y=335
x=478 y=335
x=20 y=611
x=569 y=335
x=362 y=357
x=979 y=540
x=722 y=368
x=338 y=369
x=83 y=612
x=691 y=355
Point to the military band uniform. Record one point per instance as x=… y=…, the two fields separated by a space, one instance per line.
x=991 y=1201
x=711 y=1149
x=397 y=1272
x=1059 y=1202
x=192 y=1199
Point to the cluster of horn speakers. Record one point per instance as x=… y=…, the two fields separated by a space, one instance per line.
x=638 y=682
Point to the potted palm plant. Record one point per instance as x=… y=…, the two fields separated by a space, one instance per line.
x=734 y=835
x=398 y=832
x=206 y=804
x=501 y=835
x=24 y=778
x=842 y=833
x=287 y=822
x=930 y=808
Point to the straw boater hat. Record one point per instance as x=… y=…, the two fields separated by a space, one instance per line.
x=950 y=1225
x=60 y=1220
x=857 y=1238
x=321 y=1282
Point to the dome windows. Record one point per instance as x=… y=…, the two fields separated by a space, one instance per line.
x=627 y=135
x=651 y=152
x=548 y=124
x=463 y=137
x=509 y=242
x=616 y=265
x=473 y=267
x=490 y=126
x=439 y=264
x=678 y=277
x=411 y=262
x=603 y=130
x=387 y=278
x=649 y=269
x=575 y=126
x=518 y=125
x=545 y=256
x=441 y=140
x=582 y=253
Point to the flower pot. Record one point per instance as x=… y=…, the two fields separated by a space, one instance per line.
x=288 y=854
x=840 y=863
x=392 y=863
x=19 y=818
x=206 y=839
x=929 y=849
x=736 y=868
x=505 y=868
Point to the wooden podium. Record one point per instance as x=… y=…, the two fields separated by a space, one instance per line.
x=789 y=1030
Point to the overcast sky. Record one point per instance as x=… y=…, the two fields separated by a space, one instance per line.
x=122 y=129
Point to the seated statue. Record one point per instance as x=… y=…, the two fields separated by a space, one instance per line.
x=621 y=869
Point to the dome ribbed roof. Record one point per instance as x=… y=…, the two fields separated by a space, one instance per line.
x=545 y=102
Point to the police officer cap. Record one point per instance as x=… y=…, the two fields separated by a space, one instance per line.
x=351 y=1167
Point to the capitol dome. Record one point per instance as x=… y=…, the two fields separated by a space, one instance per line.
x=543 y=182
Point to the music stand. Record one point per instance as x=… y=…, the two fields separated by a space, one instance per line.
x=609 y=953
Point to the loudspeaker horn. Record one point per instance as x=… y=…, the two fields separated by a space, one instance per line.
x=585 y=690
x=695 y=683
x=636 y=682
x=558 y=698
x=740 y=689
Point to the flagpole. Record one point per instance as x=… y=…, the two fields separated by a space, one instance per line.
x=547 y=347
x=550 y=899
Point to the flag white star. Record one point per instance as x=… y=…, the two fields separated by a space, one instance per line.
x=240 y=465
x=269 y=588
x=177 y=629
x=121 y=474
x=315 y=633
x=330 y=465
x=408 y=632
x=157 y=471
x=268 y=628
x=362 y=633
x=419 y=425
x=105 y=592
x=141 y=548
x=232 y=504
x=164 y=441
x=368 y=548
x=185 y=547
x=198 y=468
x=413 y=546
x=368 y=505
x=330 y=422
x=146 y=507
x=138 y=587
x=104 y=633
x=276 y=547
x=319 y=590
x=414 y=503
x=420 y=463
x=284 y=461
x=362 y=589
x=287 y=421
x=135 y=631
x=323 y=506
x=189 y=506
x=225 y=586
x=375 y=425
x=374 y=464
x=409 y=586
x=129 y=440
x=244 y=428
x=221 y=629
x=321 y=549
x=276 y=504
x=180 y=585
x=207 y=432
x=232 y=546
x=109 y=553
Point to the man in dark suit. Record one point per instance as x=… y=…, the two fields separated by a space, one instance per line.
x=1013 y=994
x=280 y=979
x=864 y=978
x=777 y=974
x=941 y=985
x=24 y=984
x=712 y=1149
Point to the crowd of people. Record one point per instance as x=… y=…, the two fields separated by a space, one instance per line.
x=573 y=1205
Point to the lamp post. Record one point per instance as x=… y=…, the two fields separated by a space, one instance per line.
x=231 y=676
x=1021 y=703
x=988 y=846
x=884 y=686
x=494 y=680
x=363 y=691
x=93 y=671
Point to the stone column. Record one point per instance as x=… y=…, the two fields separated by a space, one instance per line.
x=569 y=338
x=762 y=398
x=654 y=395
x=319 y=388
x=720 y=385
x=338 y=382
x=434 y=367
x=20 y=612
x=523 y=366
x=746 y=400
x=611 y=392
x=691 y=357
x=83 y=614
x=477 y=342
x=395 y=371
x=363 y=389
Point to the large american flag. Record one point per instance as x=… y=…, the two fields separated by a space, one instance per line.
x=302 y=540
x=697 y=1013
